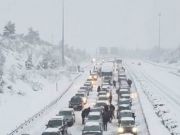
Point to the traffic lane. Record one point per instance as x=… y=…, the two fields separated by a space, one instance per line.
x=38 y=126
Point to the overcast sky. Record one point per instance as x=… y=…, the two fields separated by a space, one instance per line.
x=95 y=23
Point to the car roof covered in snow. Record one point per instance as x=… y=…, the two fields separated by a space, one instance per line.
x=124 y=111
x=50 y=130
x=124 y=105
x=94 y=113
x=90 y=123
x=127 y=119
x=103 y=96
x=123 y=89
x=105 y=86
x=57 y=117
x=101 y=101
x=125 y=95
x=67 y=109
x=102 y=92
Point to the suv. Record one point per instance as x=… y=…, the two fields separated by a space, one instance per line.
x=76 y=102
x=125 y=113
x=83 y=95
x=69 y=115
x=127 y=125
x=58 y=122
x=52 y=131
x=93 y=128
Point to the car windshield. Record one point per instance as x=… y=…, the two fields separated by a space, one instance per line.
x=127 y=123
x=91 y=128
x=76 y=100
x=102 y=93
x=96 y=110
x=80 y=95
x=100 y=104
x=102 y=98
x=54 y=123
x=87 y=84
x=124 y=102
x=65 y=113
x=50 y=133
x=93 y=117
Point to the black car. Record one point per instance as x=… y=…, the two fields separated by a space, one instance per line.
x=92 y=128
x=58 y=122
x=76 y=102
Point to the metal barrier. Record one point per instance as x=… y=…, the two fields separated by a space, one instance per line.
x=15 y=131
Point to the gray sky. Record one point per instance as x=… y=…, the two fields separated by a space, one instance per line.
x=93 y=23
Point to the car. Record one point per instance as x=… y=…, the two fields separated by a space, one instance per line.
x=139 y=63
x=123 y=93
x=102 y=93
x=83 y=91
x=105 y=88
x=89 y=80
x=58 y=122
x=122 y=74
x=125 y=113
x=101 y=103
x=94 y=116
x=123 y=107
x=94 y=76
x=76 y=102
x=103 y=97
x=52 y=131
x=92 y=128
x=122 y=78
x=89 y=84
x=124 y=101
x=68 y=114
x=83 y=95
x=127 y=125
x=86 y=88
x=97 y=109
x=105 y=84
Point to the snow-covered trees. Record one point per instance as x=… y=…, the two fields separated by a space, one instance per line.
x=2 y=60
x=32 y=37
x=9 y=29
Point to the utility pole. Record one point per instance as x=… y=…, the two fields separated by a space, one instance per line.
x=63 y=61
x=159 y=30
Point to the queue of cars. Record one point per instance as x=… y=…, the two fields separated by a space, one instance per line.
x=125 y=116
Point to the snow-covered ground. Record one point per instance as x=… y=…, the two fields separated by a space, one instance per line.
x=161 y=88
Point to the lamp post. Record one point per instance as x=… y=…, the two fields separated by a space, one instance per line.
x=159 y=30
x=63 y=61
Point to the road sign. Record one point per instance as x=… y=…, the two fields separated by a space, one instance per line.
x=114 y=50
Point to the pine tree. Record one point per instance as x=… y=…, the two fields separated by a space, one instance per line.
x=9 y=29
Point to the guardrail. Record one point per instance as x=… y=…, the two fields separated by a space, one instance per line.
x=16 y=131
x=145 y=119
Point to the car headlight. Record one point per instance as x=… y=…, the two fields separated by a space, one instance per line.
x=120 y=130
x=108 y=94
x=90 y=77
x=95 y=77
x=84 y=100
x=134 y=129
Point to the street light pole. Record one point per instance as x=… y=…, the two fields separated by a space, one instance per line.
x=63 y=61
x=159 y=30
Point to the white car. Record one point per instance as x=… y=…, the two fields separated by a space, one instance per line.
x=52 y=131
x=101 y=103
x=103 y=97
x=94 y=116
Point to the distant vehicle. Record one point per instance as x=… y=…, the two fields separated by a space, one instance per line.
x=87 y=88
x=95 y=117
x=103 y=97
x=118 y=60
x=123 y=107
x=92 y=128
x=58 y=122
x=123 y=93
x=124 y=101
x=69 y=115
x=89 y=84
x=83 y=95
x=139 y=63
x=83 y=91
x=94 y=76
x=126 y=96
x=76 y=102
x=101 y=103
x=52 y=131
x=127 y=125
x=102 y=93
